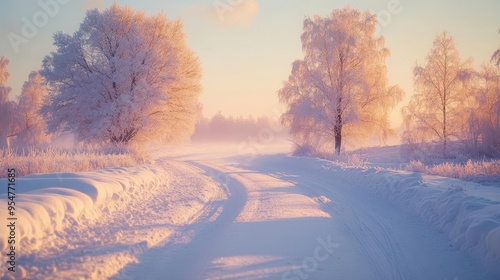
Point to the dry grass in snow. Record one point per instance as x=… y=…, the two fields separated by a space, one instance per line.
x=51 y=160
x=470 y=171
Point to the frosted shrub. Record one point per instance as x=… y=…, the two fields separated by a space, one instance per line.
x=356 y=161
x=347 y=160
x=304 y=150
x=416 y=166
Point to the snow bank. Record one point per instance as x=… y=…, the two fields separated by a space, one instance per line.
x=93 y=225
x=49 y=203
x=472 y=222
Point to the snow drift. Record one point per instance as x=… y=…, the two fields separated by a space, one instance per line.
x=49 y=203
x=92 y=225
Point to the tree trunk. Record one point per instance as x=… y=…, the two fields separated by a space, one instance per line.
x=444 y=148
x=445 y=133
x=4 y=142
x=338 y=138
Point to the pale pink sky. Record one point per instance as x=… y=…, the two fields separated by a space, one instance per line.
x=247 y=49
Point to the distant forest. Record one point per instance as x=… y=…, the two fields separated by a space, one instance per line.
x=222 y=128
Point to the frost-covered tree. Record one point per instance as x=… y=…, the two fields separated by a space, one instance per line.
x=32 y=127
x=495 y=58
x=340 y=87
x=437 y=110
x=4 y=78
x=7 y=108
x=484 y=117
x=123 y=76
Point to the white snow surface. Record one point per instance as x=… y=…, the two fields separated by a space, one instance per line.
x=207 y=214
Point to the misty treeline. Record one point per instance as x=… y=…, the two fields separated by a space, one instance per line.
x=221 y=128
x=20 y=119
x=339 y=93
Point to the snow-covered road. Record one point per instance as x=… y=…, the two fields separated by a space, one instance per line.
x=285 y=220
x=223 y=217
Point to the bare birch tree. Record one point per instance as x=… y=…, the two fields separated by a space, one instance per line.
x=340 y=87
x=442 y=91
x=7 y=108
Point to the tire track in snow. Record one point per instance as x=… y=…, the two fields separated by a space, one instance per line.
x=275 y=234
x=365 y=229
x=186 y=254
x=394 y=244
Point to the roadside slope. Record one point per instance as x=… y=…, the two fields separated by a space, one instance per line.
x=99 y=222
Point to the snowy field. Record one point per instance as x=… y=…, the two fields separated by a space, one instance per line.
x=206 y=213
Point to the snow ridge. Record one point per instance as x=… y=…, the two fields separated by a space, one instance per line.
x=48 y=203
